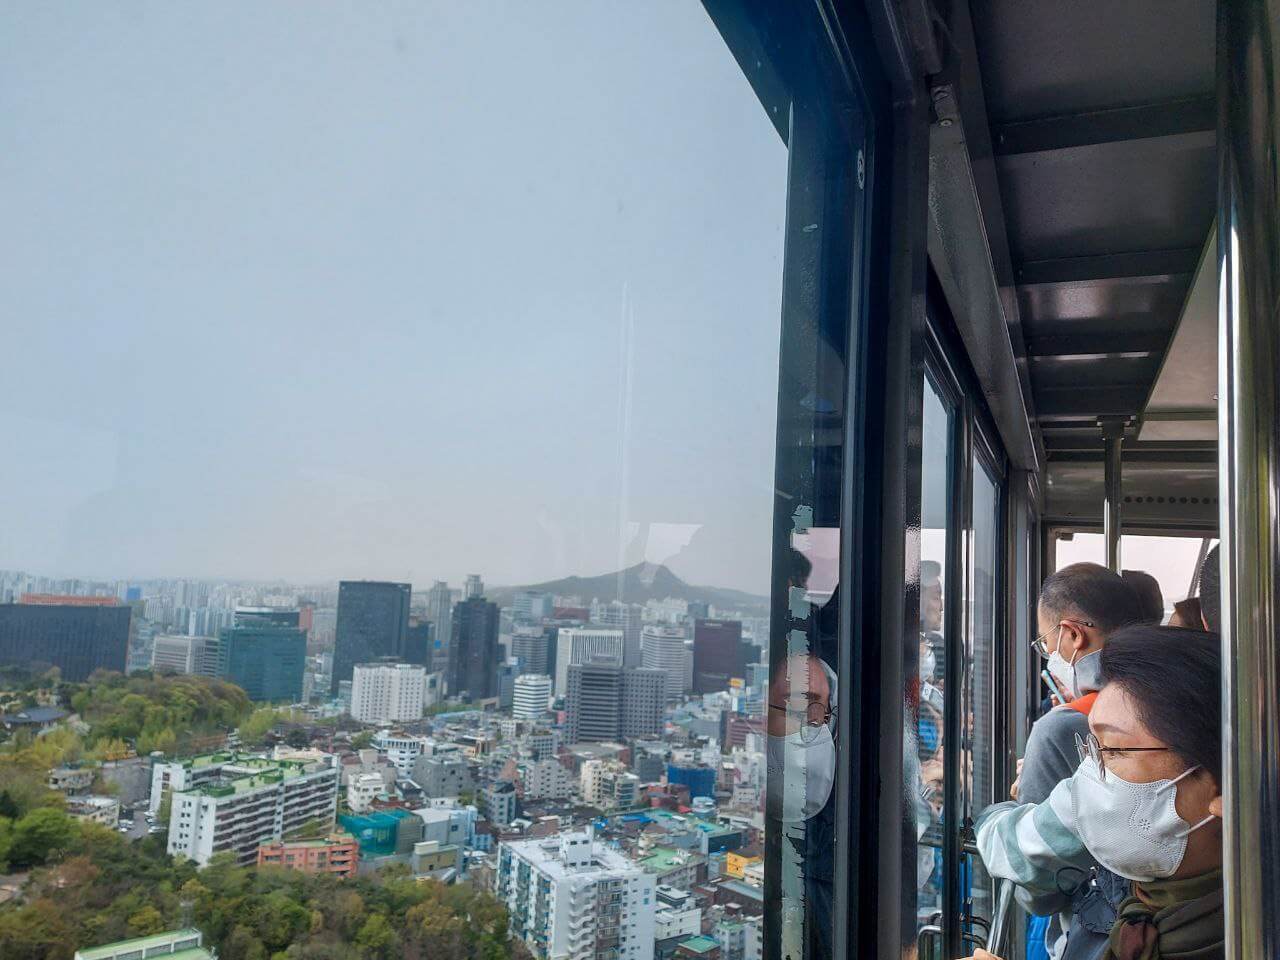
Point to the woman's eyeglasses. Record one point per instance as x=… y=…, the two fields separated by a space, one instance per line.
x=1090 y=748
x=809 y=716
x=1041 y=643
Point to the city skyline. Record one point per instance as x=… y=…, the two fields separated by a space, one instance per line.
x=293 y=307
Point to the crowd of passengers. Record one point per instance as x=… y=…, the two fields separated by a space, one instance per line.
x=1113 y=836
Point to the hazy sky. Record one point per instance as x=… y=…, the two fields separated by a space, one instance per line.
x=373 y=289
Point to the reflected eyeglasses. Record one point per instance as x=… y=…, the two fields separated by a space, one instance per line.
x=810 y=716
x=1090 y=748
x=1040 y=644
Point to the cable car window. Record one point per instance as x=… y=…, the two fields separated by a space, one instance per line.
x=979 y=718
x=926 y=683
x=1174 y=562
x=506 y=342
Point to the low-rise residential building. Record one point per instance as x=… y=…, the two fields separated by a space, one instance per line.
x=449 y=824
x=568 y=896
x=545 y=780
x=677 y=916
x=362 y=790
x=249 y=800
x=500 y=802
x=402 y=750
x=609 y=785
x=336 y=854
x=95 y=809
x=444 y=776
x=435 y=860
x=71 y=779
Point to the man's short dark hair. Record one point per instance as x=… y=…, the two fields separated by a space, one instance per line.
x=1211 y=591
x=1147 y=588
x=1173 y=677
x=1087 y=591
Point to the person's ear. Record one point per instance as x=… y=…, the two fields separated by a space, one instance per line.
x=1215 y=806
x=1074 y=639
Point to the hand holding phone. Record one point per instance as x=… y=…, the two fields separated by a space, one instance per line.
x=1053 y=687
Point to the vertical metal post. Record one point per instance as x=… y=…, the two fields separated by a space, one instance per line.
x=1113 y=438
x=1248 y=388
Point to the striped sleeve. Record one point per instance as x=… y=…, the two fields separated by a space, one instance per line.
x=1030 y=844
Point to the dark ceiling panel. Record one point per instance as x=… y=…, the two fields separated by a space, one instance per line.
x=1154 y=194
x=1042 y=58
x=1102 y=307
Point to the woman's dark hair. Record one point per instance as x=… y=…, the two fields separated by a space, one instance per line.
x=1147 y=588
x=1173 y=676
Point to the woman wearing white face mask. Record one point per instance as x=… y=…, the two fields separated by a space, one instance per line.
x=1129 y=849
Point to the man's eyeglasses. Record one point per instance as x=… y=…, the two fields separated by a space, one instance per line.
x=1090 y=748
x=1040 y=644
x=808 y=716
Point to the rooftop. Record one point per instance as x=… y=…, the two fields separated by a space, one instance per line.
x=242 y=773
x=665 y=858
x=700 y=944
x=143 y=944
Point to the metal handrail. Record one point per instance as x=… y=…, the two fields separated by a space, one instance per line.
x=1001 y=918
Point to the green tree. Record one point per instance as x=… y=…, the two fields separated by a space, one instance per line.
x=41 y=834
x=146 y=922
x=255 y=729
x=377 y=938
x=362 y=740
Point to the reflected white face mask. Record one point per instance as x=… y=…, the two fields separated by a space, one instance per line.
x=928 y=662
x=804 y=774
x=1132 y=829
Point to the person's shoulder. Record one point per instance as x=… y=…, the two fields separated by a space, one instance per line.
x=1058 y=725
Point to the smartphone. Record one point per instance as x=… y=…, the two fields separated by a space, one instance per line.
x=1053 y=686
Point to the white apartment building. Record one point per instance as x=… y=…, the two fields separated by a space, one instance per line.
x=249 y=800
x=532 y=695
x=664 y=648
x=583 y=644
x=363 y=789
x=388 y=692
x=608 y=785
x=678 y=914
x=545 y=780
x=571 y=898
x=402 y=750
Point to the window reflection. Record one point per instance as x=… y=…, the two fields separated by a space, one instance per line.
x=926 y=677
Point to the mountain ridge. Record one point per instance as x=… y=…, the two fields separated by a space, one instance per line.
x=636 y=584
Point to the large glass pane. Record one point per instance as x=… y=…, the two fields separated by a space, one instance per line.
x=1172 y=561
x=424 y=384
x=926 y=693
x=979 y=717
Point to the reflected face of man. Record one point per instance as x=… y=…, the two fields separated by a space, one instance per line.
x=931 y=606
x=798 y=691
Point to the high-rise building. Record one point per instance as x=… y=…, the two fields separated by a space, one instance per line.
x=608 y=702
x=629 y=617
x=276 y=616
x=474 y=658
x=698 y=610
x=532 y=694
x=475 y=587
x=531 y=606
x=171 y=653
x=74 y=637
x=373 y=622
x=418 y=642
x=388 y=692
x=663 y=648
x=242 y=802
x=440 y=613
x=583 y=645
x=717 y=654
x=570 y=897
x=264 y=659
x=508 y=670
x=644 y=702
x=529 y=647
